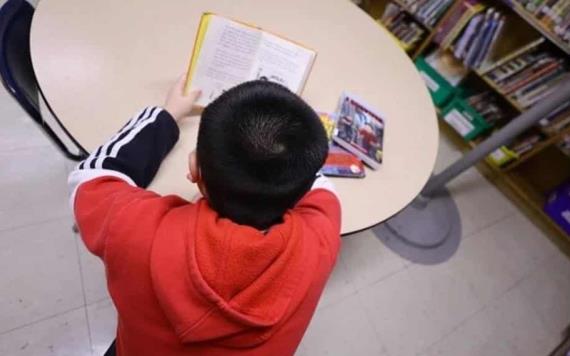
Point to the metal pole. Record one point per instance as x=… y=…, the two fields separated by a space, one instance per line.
x=502 y=137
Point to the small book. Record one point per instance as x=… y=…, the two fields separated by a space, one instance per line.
x=360 y=130
x=227 y=53
x=340 y=163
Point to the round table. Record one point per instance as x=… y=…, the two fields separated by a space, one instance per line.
x=98 y=62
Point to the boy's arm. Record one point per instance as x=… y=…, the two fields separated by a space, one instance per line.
x=115 y=173
x=322 y=212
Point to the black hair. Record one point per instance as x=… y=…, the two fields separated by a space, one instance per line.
x=259 y=149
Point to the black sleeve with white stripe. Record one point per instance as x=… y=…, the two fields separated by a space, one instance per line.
x=136 y=151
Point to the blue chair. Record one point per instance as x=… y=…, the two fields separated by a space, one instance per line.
x=17 y=72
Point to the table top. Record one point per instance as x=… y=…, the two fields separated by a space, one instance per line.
x=98 y=62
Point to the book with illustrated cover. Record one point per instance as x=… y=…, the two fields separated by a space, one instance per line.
x=360 y=130
x=341 y=163
x=227 y=53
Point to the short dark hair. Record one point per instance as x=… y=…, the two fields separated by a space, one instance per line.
x=259 y=149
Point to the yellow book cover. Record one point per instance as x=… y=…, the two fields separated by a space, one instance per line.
x=228 y=52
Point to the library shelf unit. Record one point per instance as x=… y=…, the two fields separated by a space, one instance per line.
x=540 y=166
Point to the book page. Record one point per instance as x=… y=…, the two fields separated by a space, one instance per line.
x=225 y=58
x=283 y=62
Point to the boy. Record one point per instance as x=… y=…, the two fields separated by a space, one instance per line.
x=238 y=272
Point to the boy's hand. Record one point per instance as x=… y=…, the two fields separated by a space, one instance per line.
x=177 y=104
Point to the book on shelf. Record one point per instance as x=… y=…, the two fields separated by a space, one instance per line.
x=525 y=143
x=476 y=43
x=227 y=53
x=487 y=105
x=529 y=77
x=360 y=130
x=402 y=26
x=552 y=15
x=452 y=26
x=556 y=121
x=429 y=12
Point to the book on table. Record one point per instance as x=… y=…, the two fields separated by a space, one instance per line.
x=360 y=130
x=227 y=53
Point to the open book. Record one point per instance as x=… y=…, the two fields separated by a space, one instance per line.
x=227 y=53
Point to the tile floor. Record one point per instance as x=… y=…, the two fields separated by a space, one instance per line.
x=505 y=292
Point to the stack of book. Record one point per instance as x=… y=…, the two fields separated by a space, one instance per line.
x=554 y=15
x=429 y=11
x=529 y=77
x=525 y=143
x=479 y=37
x=402 y=26
x=556 y=121
x=486 y=104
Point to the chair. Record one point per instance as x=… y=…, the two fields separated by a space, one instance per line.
x=17 y=72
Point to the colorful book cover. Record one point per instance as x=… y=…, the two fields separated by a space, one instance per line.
x=360 y=130
x=341 y=163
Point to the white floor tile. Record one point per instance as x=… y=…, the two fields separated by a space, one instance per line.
x=341 y=329
x=63 y=335
x=548 y=292
x=397 y=311
x=93 y=274
x=508 y=326
x=102 y=318
x=480 y=203
x=34 y=187
x=445 y=294
x=484 y=264
x=21 y=132
x=524 y=244
x=367 y=260
x=339 y=285
x=517 y=324
x=9 y=106
x=40 y=273
x=476 y=337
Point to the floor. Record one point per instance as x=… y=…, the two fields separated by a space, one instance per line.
x=505 y=292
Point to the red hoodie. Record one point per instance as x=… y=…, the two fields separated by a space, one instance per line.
x=185 y=281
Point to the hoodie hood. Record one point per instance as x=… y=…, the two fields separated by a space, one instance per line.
x=226 y=283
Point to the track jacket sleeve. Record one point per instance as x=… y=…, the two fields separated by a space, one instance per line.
x=115 y=174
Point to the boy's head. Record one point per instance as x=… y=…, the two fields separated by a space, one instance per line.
x=259 y=148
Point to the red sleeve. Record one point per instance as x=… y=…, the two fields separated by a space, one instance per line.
x=321 y=211
x=98 y=204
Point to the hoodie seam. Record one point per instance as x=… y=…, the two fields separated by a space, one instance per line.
x=203 y=318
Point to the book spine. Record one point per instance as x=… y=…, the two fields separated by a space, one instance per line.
x=494 y=41
x=525 y=80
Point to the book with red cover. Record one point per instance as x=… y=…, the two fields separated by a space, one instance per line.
x=341 y=163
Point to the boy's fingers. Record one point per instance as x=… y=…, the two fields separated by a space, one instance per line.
x=181 y=82
x=194 y=94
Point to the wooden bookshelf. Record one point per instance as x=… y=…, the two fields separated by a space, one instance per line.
x=528 y=179
x=530 y=19
x=552 y=140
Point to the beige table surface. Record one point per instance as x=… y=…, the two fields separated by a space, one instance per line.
x=98 y=62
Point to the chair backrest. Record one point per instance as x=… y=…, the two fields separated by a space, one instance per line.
x=17 y=72
x=15 y=61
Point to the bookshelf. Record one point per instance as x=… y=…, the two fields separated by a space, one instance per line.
x=538 y=165
x=528 y=17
